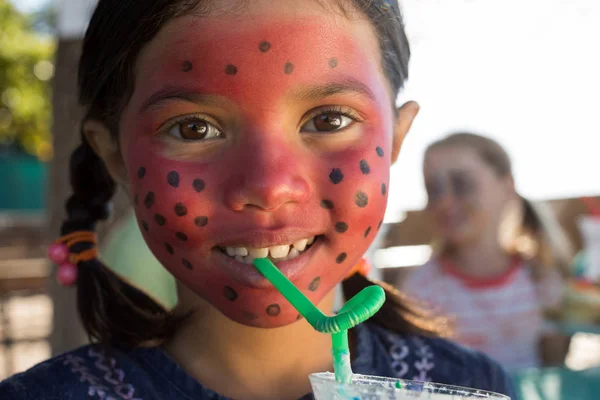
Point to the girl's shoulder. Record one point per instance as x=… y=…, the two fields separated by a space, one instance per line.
x=426 y=272
x=51 y=379
x=422 y=281
x=84 y=372
x=434 y=359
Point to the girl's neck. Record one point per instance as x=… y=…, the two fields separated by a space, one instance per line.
x=247 y=363
x=484 y=258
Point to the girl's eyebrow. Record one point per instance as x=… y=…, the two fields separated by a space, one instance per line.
x=170 y=93
x=347 y=85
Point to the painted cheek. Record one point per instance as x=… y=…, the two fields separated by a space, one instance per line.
x=355 y=189
x=174 y=205
x=171 y=203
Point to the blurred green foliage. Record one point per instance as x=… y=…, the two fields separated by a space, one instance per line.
x=26 y=70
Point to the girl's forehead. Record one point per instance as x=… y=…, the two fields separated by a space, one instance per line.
x=231 y=52
x=448 y=158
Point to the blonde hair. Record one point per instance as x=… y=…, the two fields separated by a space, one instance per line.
x=538 y=236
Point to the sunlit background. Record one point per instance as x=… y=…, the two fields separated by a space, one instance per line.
x=523 y=72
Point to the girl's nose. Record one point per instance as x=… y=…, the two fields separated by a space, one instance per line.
x=267 y=175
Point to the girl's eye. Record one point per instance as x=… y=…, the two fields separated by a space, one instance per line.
x=462 y=185
x=434 y=190
x=328 y=121
x=194 y=128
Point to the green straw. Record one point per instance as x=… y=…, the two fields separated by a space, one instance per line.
x=356 y=310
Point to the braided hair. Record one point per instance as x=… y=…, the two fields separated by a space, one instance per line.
x=112 y=311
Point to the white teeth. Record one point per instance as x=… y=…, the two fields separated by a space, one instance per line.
x=241 y=251
x=280 y=251
x=259 y=253
x=293 y=253
x=300 y=244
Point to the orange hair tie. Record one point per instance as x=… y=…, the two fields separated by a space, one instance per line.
x=363 y=267
x=80 y=237
x=60 y=253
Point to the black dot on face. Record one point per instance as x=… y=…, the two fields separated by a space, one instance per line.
x=198 y=185
x=264 y=46
x=187 y=264
x=383 y=189
x=361 y=199
x=173 y=178
x=180 y=209
x=201 y=221
x=314 y=285
x=169 y=248
x=160 y=220
x=364 y=167
x=186 y=66
x=141 y=172
x=231 y=69
x=367 y=231
x=229 y=293
x=181 y=236
x=149 y=199
x=145 y=225
x=273 y=310
x=341 y=258
x=136 y=200
x=327 y=204
x=288 y=68
x=333 y=62
x=379 y=151
x=341 y=227
x=299 y=317
x=336 y=176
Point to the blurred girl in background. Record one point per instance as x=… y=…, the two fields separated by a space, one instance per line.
x=497 y=278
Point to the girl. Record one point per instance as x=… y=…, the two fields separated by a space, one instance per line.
x=496 y=292
x=241 y=129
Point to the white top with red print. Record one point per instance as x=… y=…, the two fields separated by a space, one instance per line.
x=501 y=317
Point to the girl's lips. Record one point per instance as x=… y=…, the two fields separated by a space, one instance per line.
x=249 y=276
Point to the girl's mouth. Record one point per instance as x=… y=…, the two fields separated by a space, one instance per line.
x=283 y=252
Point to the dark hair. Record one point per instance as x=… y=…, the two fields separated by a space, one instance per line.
x=549 y=245
x=112 y=311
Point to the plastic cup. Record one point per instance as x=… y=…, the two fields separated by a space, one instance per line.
x=364 y=387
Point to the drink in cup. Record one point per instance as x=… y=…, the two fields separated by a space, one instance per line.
x=364 y=387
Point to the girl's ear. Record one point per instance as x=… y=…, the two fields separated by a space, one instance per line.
x=100 y=139
x=404 y=119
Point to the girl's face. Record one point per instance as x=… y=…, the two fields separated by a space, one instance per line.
x=466 y=196
x=259 y=132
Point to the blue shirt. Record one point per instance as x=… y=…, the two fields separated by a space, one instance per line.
x=150 y=374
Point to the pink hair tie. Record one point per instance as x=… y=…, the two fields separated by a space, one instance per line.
x=59 y=253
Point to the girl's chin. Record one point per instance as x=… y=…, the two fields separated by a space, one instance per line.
x=268 y=309
x=458 y=239
x=287 y=315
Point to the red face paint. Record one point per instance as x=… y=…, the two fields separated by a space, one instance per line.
x=263 y=181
